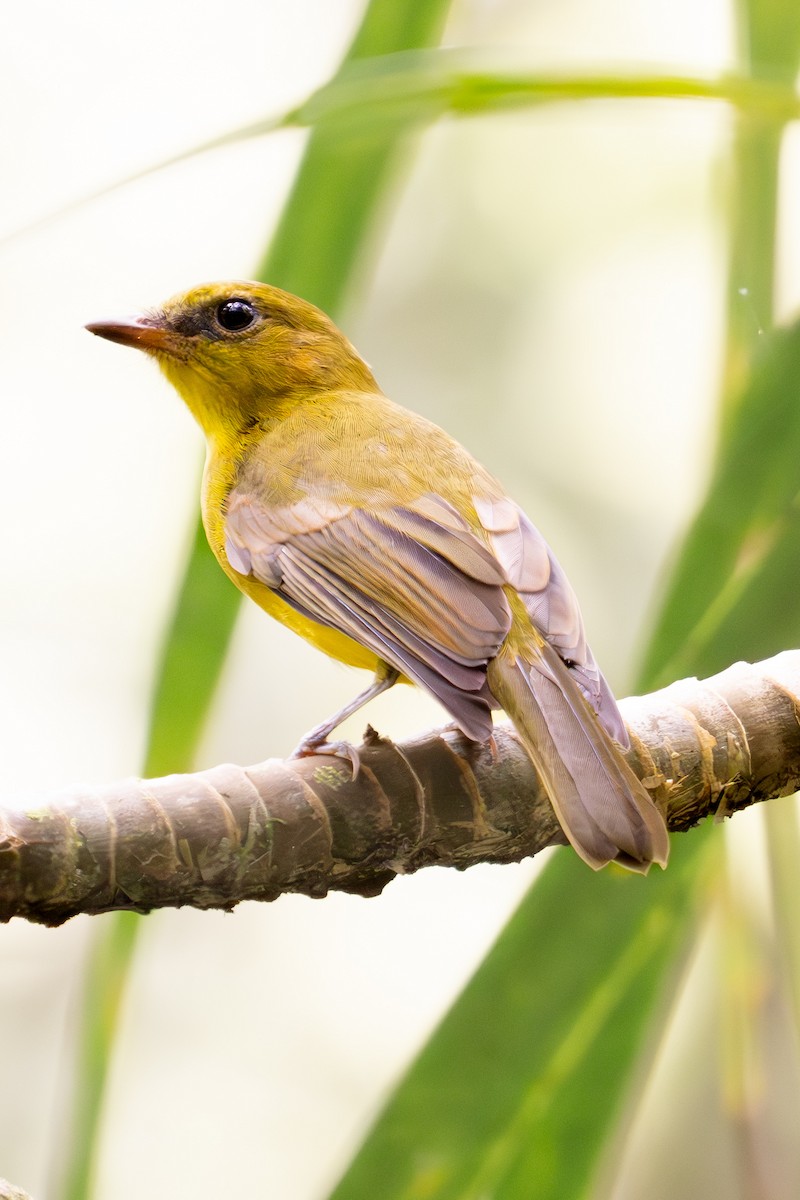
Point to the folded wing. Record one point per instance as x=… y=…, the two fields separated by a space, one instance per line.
x=426 y=592
x=413 y=583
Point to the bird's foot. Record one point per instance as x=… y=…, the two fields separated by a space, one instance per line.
x=311 y=745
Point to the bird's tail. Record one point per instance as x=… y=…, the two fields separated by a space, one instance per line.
x=604 y=809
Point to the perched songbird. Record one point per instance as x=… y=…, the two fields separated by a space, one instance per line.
x=377 y=537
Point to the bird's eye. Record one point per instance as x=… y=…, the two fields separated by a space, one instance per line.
x=235 y=315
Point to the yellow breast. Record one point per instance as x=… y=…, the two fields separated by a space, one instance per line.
x=219 y=477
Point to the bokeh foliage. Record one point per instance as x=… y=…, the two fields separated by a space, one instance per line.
x=523 y=1089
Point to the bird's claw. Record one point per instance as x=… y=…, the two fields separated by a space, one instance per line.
x=310 y=746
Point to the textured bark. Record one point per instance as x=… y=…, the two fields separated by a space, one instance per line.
x=217 y=837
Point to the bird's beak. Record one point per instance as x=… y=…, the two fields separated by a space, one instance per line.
x=144 y=333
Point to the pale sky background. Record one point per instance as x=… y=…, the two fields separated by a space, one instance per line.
x=549 y=289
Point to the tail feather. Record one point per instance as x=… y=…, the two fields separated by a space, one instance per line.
x=603 y=808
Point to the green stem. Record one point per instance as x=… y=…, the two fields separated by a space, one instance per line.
x=416 y=87
x=104 y=984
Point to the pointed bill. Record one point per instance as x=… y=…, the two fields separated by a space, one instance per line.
x=144 y=333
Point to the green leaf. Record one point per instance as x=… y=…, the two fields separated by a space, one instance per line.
x=734 y=590
x=423 y=85
x=514 y=1094
x=315 y=251
x=391 y=93
x=200 y=630
x=772 y=41
x=191 y=661
x=104 y=985
x=520 y=1091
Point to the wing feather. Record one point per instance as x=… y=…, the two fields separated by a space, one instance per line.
x=418 y=587
x=551 y=604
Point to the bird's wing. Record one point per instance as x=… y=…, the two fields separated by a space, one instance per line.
x=413 y=583
x=425 y=592
x=532 y=568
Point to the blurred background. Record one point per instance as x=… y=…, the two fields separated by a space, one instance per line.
x=554 y=286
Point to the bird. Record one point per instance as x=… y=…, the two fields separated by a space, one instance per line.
x=372 y=533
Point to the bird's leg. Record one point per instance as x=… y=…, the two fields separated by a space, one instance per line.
x=316 y=740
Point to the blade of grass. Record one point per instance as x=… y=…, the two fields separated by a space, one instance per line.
x=734 y=591
x=411 y=88
x=735 y=587
x=515 y=1092
x=519 y=1091
x=576 y=1066
x=753 y=465
x=479 y=1114
x=192 y=658
x=104 y=985
x=315 y=251
x=745 y=528
x=207 y=604
x=421 y=86
x=774 y=47
x=771 y=36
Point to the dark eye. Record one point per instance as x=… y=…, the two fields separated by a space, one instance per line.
x=235 y=315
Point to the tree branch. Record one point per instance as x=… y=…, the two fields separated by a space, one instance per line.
x=251 y=833
x=8 y=1191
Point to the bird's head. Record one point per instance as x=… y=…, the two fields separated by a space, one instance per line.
x=239 y=353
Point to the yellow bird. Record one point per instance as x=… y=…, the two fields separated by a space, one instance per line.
x=376 y=536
